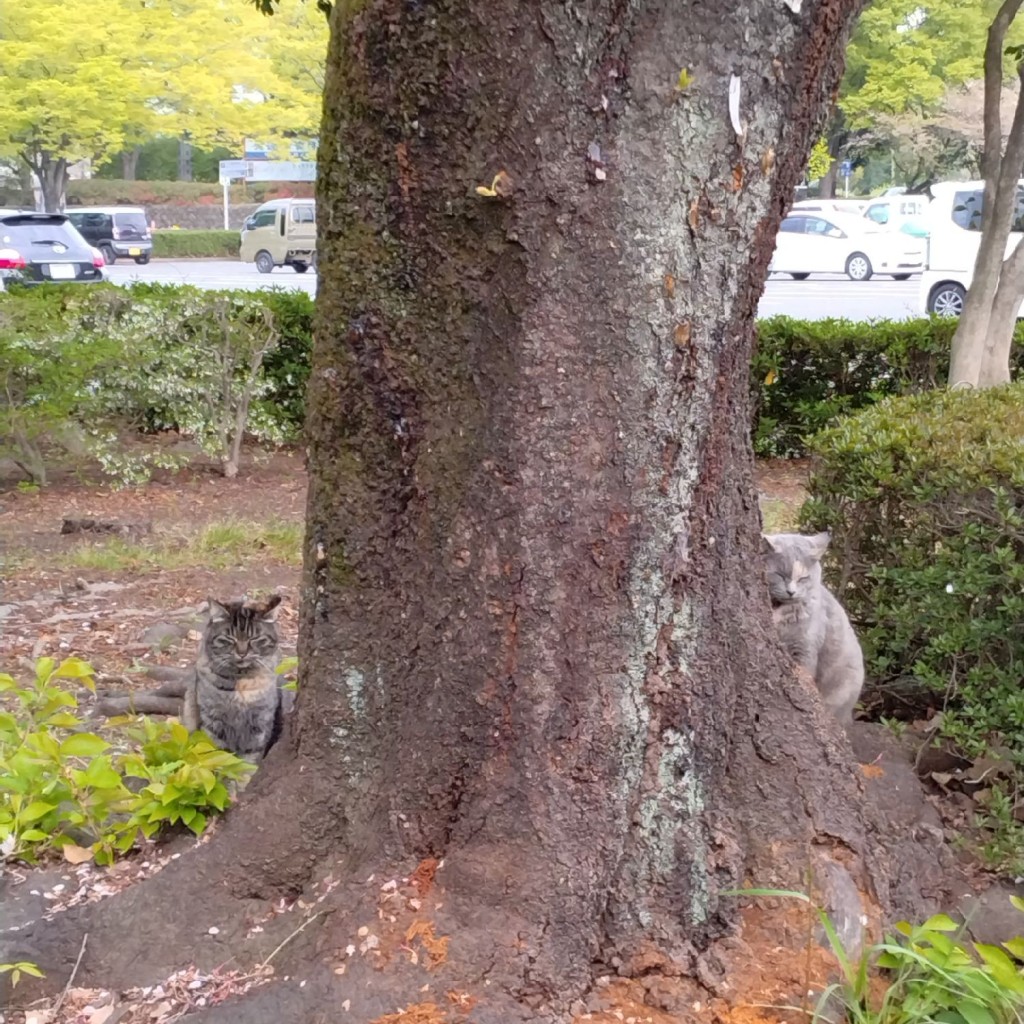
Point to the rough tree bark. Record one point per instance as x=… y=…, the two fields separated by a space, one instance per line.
x=980 y=354
x=535 y=640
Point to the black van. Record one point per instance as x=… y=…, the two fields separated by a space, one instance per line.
x=115 y=231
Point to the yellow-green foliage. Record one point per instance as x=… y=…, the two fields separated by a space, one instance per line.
x=63 y=787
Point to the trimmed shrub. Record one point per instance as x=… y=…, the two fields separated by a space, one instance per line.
x=192 y=244
x=110 y=191
x=924 y=495
x=806 y=373
x=85 y=365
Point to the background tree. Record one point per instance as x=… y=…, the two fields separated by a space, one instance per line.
x=536 y=644
x=207 y=67
x=903 y=57
x=980 y=354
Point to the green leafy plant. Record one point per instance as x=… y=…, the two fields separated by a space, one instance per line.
x=18 y=969
x=931 y=975
x=62 y=787
x=185 y=776
x=82 y=371
x=54 y=786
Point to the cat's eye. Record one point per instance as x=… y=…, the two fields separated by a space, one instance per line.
x=263 y=642
x=803 y=579
x=223 y=641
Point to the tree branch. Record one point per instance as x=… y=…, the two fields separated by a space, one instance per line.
x=992 y=161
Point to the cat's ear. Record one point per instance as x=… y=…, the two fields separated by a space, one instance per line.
x=767 y=544
x=269 y=611
x=216 y=611
x=818 y=544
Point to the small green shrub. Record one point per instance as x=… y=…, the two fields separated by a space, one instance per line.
x=806 y=373
x=931 y=975
x=85 y=367
x=185 y=776
x=925 y=499
x=64 y=787
x=192 y=244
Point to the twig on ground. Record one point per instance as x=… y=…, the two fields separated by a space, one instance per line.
x=284 y=942
x=74 y=971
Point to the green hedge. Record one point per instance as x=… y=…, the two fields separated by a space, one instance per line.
x=805 y=373
x=174 y=244
x=924 y=495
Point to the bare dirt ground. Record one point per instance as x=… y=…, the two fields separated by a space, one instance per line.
x=122 y=602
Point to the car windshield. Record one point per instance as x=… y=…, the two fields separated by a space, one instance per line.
x=132 y=221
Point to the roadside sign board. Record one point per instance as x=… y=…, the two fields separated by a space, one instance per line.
x=280 y=170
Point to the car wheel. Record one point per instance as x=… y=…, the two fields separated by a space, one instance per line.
x=300 y=268
x=109 y=256
x=858 y=267
x=901 y=277
x=264 y=262
x=947 y=299
x=142 y=260
x=800 y=277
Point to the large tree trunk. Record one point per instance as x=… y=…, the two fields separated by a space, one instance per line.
x=536 y=629
x=535 y=641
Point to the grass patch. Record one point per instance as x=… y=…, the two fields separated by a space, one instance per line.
x=218 y=545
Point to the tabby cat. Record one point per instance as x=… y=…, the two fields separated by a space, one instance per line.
x=233 y=693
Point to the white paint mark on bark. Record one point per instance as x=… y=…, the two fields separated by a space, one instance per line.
x=793 y=5
x=355 y=687
x=735 y=87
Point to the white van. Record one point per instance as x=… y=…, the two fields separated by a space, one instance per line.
x=954 y=226
x=894 y=211
x=281 y=233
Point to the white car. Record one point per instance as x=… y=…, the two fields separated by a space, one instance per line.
x=836 y=243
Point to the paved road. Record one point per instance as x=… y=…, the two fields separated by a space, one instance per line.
x=825 y=295
x=210 y=274
x=822 y=295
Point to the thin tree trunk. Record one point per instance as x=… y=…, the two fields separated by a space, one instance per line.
x=828 y=181
x=31 y=462
x=53 y=181
x=1001 y=171
x=130 y=162
x=995 y=363
x=536 y=649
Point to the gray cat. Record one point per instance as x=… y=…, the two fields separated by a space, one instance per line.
x=810 y=622
x=233 y=693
